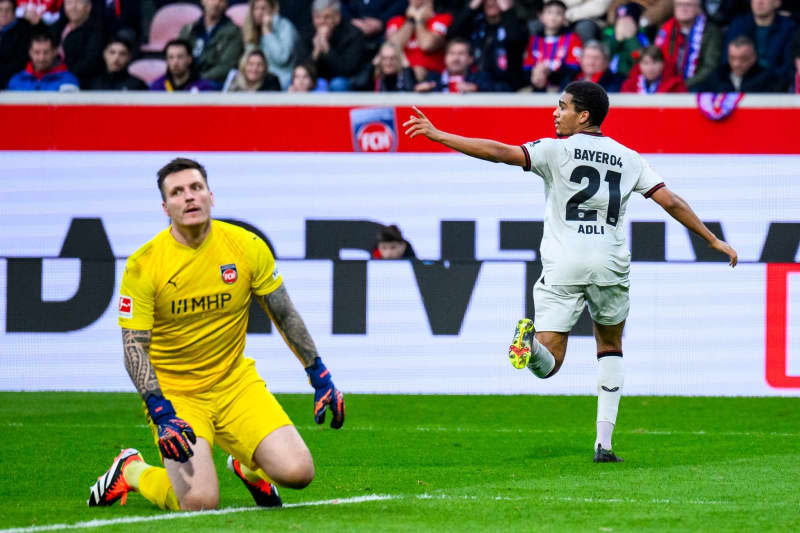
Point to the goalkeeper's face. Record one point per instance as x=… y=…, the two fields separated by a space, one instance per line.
x=188 y=200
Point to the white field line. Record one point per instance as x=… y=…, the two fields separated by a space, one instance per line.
x=191 y=514
x=439 y=429
x=357 y=499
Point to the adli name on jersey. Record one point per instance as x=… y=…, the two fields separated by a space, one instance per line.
x=597 y=156
x=229 y=274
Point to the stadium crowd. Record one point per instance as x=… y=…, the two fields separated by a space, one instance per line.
x=461 y=46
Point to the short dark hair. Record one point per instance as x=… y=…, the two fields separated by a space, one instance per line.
x=460 y=40
x=121 y=40
x=743 y=40
x=390 y=233
x=591 y=97
x=13 y=3
x=558 y=3
x=176 y=165
x=179 y=42
x=653 y=52
x=40 y=36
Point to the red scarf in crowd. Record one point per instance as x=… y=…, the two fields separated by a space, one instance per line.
x=672 y=30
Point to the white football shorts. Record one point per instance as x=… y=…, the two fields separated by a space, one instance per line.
x=558 y=307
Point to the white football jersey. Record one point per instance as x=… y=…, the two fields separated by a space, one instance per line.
x=588 y=179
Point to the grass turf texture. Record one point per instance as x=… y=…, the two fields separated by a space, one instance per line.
x=493 y=463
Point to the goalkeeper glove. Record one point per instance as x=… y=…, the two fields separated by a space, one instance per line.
x=174 y=434
x=325 y=394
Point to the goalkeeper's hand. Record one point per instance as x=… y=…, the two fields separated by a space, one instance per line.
x=325 y=394
x=174 y=434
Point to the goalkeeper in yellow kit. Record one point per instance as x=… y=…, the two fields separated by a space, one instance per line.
x=183 y=309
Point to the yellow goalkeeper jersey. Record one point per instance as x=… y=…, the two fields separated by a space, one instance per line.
x=196 y=302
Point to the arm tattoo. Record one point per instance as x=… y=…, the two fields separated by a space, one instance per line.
x=281 y=310
x=136 y=344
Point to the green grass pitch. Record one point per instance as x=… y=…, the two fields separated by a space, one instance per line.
x=443 y=463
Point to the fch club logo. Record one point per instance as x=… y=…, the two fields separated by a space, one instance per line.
x=373 y=129
x=229 y=274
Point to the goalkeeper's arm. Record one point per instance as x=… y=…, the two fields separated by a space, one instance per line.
x=174 y=434
x=282 y=312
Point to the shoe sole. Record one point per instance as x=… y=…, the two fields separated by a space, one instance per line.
x=519 y=353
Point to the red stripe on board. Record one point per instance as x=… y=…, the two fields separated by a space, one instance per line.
x=776 y=329
x=327 y=129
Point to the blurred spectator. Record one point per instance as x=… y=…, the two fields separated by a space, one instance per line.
x=587 y=16
x=390 y=244
x=624 y=39
x=649 y=75
x=304 y=80
x=252 y=75
x=795 y=87
x=181 y=73
x=771 y=33
x=15 y=36
x=299 y=14
x=392 y=72
x=216 y=41
x=691 y=43
x=371 y=17
x=722 y=12
x=654 y=12
x=35 y=11
x=742 y=73
x=264 y=27
x=498 y=38
x=421 y=35
x=458 y=75
x=81 y=34
x=44 y=72
x=337 y=48
x=121 y=18
x=594 y=67
x=552 y=49
x=117 y=56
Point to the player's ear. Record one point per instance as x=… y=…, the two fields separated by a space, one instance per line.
x=211 y=194
x=164 y=207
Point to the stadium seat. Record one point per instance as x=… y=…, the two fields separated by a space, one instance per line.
x=237 y=13
x=167 y=24
x=147 y=70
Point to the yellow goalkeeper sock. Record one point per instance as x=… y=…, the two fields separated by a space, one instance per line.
x=153 y=483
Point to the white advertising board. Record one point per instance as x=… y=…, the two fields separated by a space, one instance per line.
x=696 y=327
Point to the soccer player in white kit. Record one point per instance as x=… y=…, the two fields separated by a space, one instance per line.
x=588 y=179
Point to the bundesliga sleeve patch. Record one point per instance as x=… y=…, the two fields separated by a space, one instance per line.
x=125 y=306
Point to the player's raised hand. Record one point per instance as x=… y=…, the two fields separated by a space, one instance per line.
x=725 y=248
x=419 y=124
x=325 y=394
x=174 y=434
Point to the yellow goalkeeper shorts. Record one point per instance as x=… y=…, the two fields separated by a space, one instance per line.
x=236 y=414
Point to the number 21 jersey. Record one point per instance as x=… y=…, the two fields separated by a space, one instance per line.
x=588 y=179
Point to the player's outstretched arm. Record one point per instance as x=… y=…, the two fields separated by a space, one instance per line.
x=486 y=149
x=682 y=212
x=174 y=434
x=281 y=310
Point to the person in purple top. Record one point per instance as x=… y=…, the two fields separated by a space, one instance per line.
x=181 y=74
